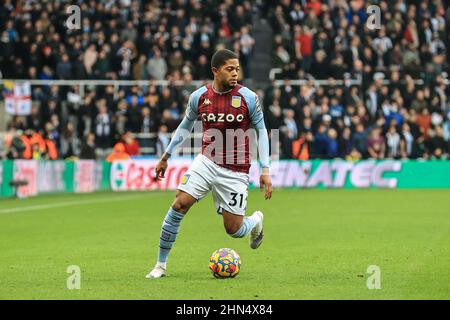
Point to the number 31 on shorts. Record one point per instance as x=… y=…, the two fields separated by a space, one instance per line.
x=236 y=198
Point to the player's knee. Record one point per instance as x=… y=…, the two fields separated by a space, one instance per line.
x=182 y=202
x=180 y=206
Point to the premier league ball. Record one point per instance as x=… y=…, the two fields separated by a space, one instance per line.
x=225 y=263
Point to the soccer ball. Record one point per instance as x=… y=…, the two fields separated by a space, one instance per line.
x=225 y=263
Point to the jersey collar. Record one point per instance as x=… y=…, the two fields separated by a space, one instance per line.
x=224 y=92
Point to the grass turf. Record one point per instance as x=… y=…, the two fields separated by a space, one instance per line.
x=318 y=245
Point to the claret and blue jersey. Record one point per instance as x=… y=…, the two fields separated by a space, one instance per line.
x=238 y=108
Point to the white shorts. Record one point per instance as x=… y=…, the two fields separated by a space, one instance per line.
x=229 y=188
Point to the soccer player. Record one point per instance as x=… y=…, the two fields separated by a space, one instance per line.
x=227 y=110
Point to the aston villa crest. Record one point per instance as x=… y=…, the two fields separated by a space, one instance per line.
x=235 y=101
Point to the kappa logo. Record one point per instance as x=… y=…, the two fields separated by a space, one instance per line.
x=206 y=102
x=235 y=101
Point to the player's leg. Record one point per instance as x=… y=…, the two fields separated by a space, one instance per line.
x=239 y=226
x=169 y=231
x=230 y=192
x=232 y=222
x=194 y=185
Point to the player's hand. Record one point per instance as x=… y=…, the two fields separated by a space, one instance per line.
x=161 y=168
x=265 y=181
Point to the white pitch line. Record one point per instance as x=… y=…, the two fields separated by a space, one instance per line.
x=69 y=203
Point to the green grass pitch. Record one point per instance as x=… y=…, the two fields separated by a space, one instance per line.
x=318 y=245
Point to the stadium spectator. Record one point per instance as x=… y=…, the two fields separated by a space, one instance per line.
x=51 y=151
x=281 y=58
x=302 y=148
x=52 y=133
x=437 y=147
x=118 y=153
x=131 y=144
x=360 y=138
x=103 y=126
x=376 y=145
x=147 y=121
x=163 y=140
x=304 y=47
x=70 y=144
x=88 y=147
x=332 y=144
x=16 y=147
x=247 y=43
x=394 y=143
x=410 y=146
x=36 y=153
x=140 y=71
x=157 y=65
x=64 y=68
x=345 y=143
x=321 y=142
x=424 y=122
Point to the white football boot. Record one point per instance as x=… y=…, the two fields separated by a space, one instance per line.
x=256 y=235
x=158 y=271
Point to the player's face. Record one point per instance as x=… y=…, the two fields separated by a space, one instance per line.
x=228 y=73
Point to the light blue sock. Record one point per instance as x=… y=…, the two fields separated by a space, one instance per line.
x=169 y=231
x=248 y=224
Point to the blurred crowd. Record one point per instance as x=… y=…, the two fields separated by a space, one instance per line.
x=396 y=121
x=88 y=126
x=121 y=39
x=340 y=39
x=387 y=114
x=117 y=40
x=379 y=111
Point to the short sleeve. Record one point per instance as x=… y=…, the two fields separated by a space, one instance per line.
x=192 y=105
x=192 y=109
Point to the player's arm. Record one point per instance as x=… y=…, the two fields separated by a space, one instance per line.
x=181 y=133
x=257 y=119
